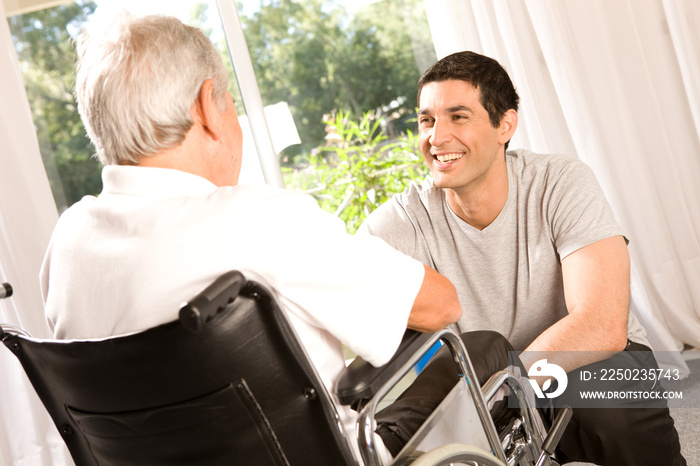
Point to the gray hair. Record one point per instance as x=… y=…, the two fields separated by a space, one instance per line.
x=136 y=82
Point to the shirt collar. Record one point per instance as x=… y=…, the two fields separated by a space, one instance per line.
x=152 y=182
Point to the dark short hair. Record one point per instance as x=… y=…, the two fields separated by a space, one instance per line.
x=496 y=91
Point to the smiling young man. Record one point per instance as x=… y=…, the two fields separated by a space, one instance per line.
x=464 y=150
x=532 y=247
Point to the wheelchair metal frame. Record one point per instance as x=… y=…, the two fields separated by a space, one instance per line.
x=522 y=446
x=366 y=421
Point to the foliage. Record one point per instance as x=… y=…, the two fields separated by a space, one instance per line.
x=47 y=56
x=318 y=58
x=358 y=168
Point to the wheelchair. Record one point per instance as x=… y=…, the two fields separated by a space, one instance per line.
x=229 y=383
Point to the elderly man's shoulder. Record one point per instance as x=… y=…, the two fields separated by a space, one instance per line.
x=263 y=198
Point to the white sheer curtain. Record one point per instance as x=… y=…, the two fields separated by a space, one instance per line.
x=27 y=217
x=617 y=83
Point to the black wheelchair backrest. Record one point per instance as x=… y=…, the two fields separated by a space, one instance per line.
x=238 y=389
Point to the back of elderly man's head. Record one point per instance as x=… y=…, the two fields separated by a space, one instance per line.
x=137 y=80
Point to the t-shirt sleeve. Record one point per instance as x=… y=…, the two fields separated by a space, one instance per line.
x=577 y=210
x=356 y=287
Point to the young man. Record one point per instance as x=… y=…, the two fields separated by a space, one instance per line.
x=531 y=245
x=153 y=94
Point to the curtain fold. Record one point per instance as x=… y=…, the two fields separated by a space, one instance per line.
x=617 y=84
x=27 y=217
x=682 y=17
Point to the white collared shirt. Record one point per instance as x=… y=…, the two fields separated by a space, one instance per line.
x=126 y=260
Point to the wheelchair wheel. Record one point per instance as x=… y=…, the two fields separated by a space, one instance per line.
x=455 y=453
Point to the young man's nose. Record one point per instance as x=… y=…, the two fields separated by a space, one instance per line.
x=440 y=133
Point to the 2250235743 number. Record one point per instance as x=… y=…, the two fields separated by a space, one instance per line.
x=639 y=374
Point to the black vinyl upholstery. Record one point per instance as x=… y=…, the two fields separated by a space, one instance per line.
x=239 y=390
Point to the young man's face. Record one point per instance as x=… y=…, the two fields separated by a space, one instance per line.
x=457 y=140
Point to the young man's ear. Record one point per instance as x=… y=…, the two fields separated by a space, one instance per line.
x=209 y=114
x=509 y=123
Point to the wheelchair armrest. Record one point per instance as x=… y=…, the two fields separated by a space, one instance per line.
x=360 y=381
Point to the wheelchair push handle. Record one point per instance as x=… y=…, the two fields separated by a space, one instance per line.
x=5 y=290
x=555 y=433
x=197 y=312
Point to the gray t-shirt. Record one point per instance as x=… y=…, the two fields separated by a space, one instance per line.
x=508 y=275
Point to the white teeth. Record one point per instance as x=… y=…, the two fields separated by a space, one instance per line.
x=449 y=157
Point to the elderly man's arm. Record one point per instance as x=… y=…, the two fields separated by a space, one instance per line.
x=596 y=288
x=436 y=305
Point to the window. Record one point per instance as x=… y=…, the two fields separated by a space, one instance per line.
x=347 y=71
x=337 y=81
x=43 y=40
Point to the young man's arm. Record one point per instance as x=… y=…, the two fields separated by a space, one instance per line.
x=596 y=289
